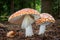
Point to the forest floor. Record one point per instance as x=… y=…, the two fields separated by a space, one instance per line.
x=52 y=32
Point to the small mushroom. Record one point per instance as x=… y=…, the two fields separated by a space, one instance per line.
x=25 y=18
x=45 y=19
x=11 y=34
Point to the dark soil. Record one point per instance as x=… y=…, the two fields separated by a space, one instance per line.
x=52 y=32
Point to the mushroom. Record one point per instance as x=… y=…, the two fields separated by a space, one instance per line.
x=25 y=17
x=45 y=19
x=11 y=34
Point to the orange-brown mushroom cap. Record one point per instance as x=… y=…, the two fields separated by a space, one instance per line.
x=45 y=17
x=16 y=17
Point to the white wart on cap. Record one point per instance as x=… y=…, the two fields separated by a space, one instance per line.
x=25 y=17
x=43 y=21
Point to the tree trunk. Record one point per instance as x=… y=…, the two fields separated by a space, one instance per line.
x=12 y=6
x=34 y=2
x=59 y=8
x=46 y=6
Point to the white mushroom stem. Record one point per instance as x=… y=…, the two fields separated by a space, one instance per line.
x=42 y=28
x=26 y=24
x=26 y=21
x=29 y=31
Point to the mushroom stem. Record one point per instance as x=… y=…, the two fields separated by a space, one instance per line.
x=29 y=31
x=42 y=29
x=26 y=24
x=27 y=21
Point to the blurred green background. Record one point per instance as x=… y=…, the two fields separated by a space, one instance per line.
x=7 y=7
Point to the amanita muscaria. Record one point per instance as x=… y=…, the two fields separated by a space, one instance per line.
x=43 y=21
x=29 y=16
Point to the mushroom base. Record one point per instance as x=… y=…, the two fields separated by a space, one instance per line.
x=29 y=31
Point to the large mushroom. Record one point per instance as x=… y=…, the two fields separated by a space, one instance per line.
x=45 y=19
x=25 y=18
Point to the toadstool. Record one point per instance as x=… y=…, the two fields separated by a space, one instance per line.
x=25 y=17
x=11 y=34
x=43 y=21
